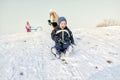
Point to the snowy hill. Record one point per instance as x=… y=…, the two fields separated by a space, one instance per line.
x=27 y=56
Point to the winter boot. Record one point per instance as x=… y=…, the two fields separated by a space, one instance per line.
x=55 y=52
x=68 y=51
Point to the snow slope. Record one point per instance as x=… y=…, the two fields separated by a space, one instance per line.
x=27 y=56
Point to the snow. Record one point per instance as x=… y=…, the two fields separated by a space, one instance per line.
x=27 y=56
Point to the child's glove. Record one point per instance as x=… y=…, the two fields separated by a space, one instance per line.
x=57 y=39
x=49 y=22
x=61 y=41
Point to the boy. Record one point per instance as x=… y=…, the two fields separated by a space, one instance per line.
x=63 y=38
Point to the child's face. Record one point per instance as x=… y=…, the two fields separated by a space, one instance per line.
x=63 y=24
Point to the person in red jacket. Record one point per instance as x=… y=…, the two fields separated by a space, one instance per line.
x=28 y=27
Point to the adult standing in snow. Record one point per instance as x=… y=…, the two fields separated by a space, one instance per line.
x=63 y=38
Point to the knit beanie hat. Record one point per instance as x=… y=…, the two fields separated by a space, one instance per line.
x=60 y=19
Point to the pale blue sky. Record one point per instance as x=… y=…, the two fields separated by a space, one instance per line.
x=79 y=13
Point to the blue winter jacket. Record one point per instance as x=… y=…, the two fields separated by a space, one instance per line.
x=63 y=38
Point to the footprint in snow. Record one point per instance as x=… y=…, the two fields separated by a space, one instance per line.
x=109 y=61
x=21 y=73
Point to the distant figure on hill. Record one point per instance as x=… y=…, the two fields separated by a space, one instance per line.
x=28 y=27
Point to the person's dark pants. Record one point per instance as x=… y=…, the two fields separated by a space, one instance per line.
x=61 y=47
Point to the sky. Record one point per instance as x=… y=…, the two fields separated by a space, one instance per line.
x=79 y=13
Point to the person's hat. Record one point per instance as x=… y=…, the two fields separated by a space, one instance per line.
x=60 y=19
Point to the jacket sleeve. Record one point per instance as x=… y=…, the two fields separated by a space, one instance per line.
x=54 y=36
x=71 y=37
